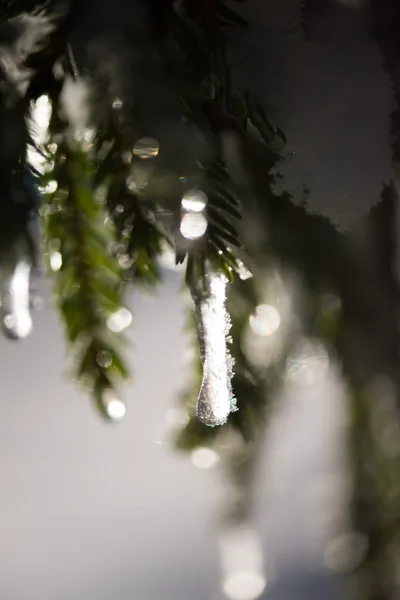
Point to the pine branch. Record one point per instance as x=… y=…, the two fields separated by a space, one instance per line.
x=88 y=279
x=139 y=238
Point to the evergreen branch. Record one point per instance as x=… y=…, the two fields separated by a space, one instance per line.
x=139 y=239
x=88 y=278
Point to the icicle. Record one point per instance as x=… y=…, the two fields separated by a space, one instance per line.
x=16 y=316
x=215 y=400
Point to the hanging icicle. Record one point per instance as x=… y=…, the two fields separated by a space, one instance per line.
x=215 y=401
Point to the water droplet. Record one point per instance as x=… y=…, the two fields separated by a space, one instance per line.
x=119 y=320
x=125 y=261
x=52 y=148
x=193 y=226
x=56 y=261
x=194 y=201
x=117 y=104
x=119 y=209
x=204 y=458
x=146 y=147
x=115 y=408
x=266 y=320
x=104 y=359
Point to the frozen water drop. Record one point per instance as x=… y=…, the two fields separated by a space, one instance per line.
x=215 y=401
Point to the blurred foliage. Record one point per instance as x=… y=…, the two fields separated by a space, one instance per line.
x=88 y=278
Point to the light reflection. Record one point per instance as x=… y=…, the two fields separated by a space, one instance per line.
x=194 y=201
x=117 y=104
x=146 y=147
x=42 y=114
x=114 y=407
x=125 y=261
x=40 y=119
x=266 y=320
x=308 y=364
x=242 y=563
x=204 y=458
x=244 y=585
x=16 y=303
x=244 y=272
x=56 y=261
x=119 y=320
x=193 y=226
x=51 y=187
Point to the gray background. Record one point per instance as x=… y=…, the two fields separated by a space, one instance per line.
x=96 y=511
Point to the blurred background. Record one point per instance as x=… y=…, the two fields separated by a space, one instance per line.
x=97 y=512
x=93 y=511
